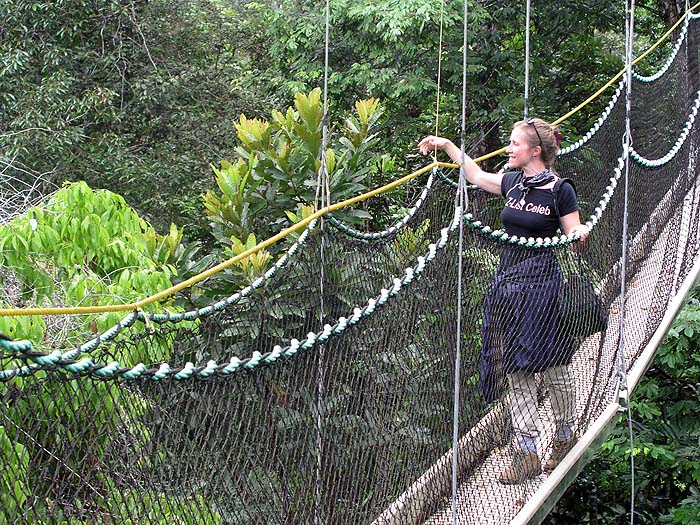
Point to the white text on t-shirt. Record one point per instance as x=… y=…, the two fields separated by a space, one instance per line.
x=529 y=206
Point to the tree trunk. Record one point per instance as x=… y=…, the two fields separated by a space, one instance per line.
x=671 y=10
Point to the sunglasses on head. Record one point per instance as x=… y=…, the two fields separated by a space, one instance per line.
x=531 y=122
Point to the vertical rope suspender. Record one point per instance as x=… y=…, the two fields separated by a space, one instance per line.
x=461 y=204
x=323 y=193
x=439 y=78
x=526 y=98
x=621 y=362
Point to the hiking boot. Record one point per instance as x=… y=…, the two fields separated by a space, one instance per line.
x=525 y=465
x=560 y=448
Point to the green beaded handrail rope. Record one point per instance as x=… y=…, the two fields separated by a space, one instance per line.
x=244 y=292
x=173 y=317
x=679 y=42
x=352 y=232
x=113 y=370
x=682 y=137
x=598 y=123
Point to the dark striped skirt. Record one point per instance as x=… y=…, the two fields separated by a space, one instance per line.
x=519 y=328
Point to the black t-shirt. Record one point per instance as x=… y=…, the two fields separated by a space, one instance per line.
x=535 y=216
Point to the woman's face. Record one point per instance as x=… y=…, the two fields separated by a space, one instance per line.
x=519 y=151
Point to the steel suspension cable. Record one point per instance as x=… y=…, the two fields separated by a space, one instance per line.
x=627 y=144
x=461 y=204
x=526 y=103
x=323 y=193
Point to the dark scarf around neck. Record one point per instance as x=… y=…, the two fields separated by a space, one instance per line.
x=542 y=178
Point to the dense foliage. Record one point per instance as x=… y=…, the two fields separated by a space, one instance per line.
x=139 y=97
x=392 y=50
x=80 y=248
x=132 y=96
x=270 y=176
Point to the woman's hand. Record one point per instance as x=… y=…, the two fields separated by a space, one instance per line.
x=432 y=142
x=490 y=182
x=571 y=225
x=581 y=230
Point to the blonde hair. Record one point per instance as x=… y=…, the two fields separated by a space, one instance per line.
x=543 y=134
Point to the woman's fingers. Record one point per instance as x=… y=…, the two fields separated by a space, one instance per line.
x=429 y=143
x=581 y=230
x=426 y=144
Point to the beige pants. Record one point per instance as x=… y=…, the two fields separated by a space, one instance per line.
x=559 y=382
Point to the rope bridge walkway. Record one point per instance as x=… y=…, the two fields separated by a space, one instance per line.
x=324 y=391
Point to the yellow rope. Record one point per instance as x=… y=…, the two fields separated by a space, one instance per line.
x=221 y=266
x=624 y=70
x=80 y=310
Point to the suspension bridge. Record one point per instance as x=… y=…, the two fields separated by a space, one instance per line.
x=328 y=389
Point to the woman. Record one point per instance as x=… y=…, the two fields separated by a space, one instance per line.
x=519 y=329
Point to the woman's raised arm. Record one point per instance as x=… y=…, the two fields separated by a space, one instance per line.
x=490 y=182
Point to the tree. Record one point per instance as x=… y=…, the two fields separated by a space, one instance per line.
x=273 y=179
x=669 y=11
x=79 y=247
x=131 y=96
x=389 y=50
